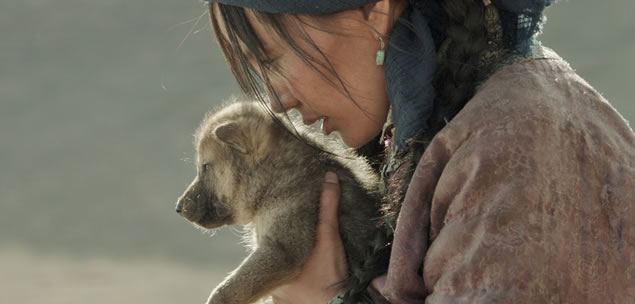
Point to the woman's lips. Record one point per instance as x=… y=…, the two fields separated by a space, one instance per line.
x=310 y=121
x=324 y=125
x=326 y=130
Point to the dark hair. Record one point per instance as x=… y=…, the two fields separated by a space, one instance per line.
x=458 y=72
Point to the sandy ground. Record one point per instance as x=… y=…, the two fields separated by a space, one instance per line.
x=27 y=278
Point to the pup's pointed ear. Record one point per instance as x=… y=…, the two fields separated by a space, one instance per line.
x=231 y=133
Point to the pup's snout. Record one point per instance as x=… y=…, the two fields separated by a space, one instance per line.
x=179 y=207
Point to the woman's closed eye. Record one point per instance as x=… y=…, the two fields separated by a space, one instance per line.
x=268 y=62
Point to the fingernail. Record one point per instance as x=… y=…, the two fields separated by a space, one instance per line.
x=330 y=177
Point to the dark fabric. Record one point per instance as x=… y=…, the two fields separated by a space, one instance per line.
x=410 y=66
x=522 y=20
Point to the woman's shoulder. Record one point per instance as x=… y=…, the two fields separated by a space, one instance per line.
x=538 y=105
x=543 y=93
x=538 y=86
x=545 y=80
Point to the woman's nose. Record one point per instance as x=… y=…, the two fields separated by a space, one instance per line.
x=282 y=103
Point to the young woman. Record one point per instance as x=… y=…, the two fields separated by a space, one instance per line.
x=511 y=179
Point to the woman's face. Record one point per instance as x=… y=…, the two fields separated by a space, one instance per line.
x=349 y=44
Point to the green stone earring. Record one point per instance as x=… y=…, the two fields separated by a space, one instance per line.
x=381 y=53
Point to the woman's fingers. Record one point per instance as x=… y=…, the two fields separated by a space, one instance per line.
x=329 y=201
x=329 y=247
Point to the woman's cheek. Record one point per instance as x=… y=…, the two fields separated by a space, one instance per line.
x=301 y=80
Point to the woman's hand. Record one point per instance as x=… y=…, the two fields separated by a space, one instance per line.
x=327 y=265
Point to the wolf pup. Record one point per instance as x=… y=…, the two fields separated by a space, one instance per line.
x=251 y=170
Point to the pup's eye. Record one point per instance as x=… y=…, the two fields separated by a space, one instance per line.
x=204 y=168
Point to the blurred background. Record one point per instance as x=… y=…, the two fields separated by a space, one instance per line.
x=98 y=103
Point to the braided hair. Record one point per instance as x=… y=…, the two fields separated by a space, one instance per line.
x=458 y=70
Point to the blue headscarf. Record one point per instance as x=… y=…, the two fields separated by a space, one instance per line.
x=411 y=55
